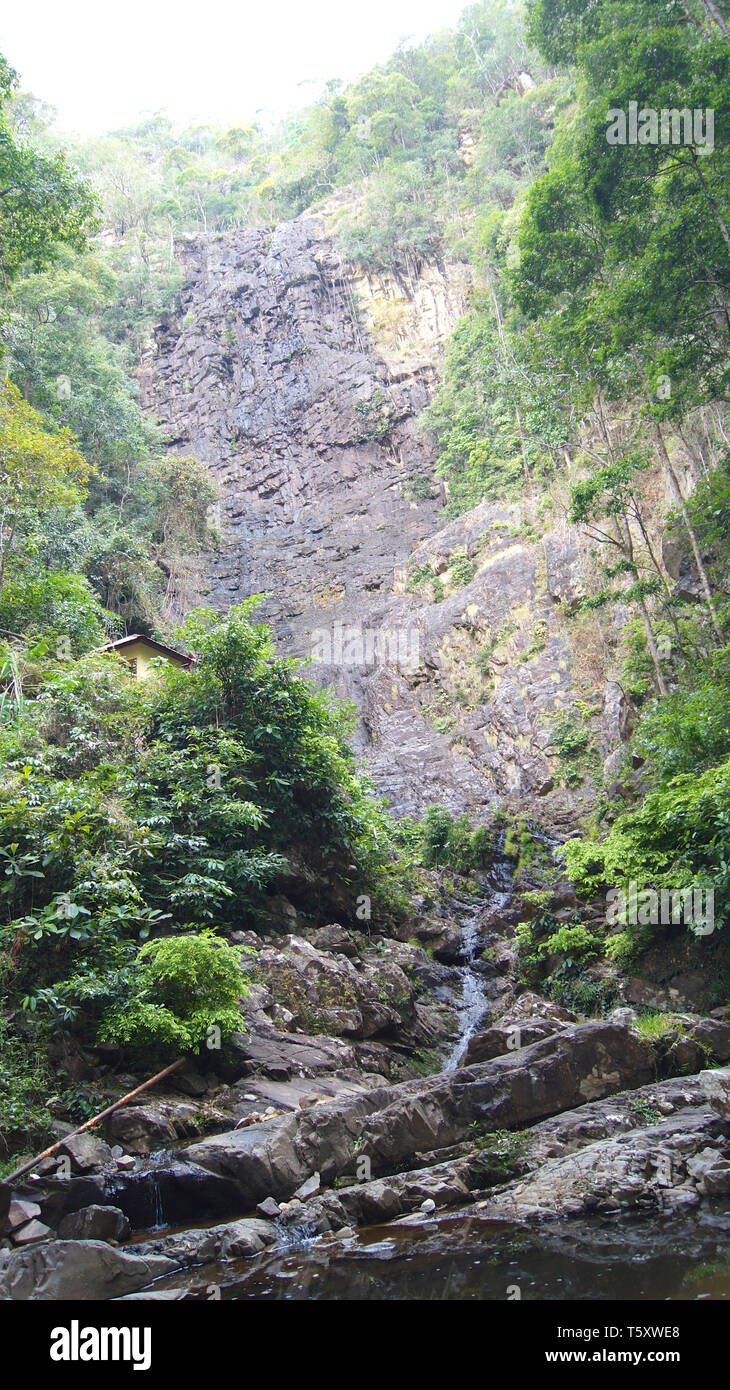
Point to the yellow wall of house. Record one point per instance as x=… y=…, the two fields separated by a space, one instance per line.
x=142 y=655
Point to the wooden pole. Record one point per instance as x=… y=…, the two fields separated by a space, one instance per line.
x=48 y=1153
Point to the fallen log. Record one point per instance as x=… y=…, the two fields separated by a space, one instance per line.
x=89 y=1124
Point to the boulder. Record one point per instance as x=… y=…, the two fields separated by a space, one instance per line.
x=448 y=946
x=86 y=1152
x=31 y=1233
x=280 y=1055
x=308 y=1188
x=140 y=1128
x=604 y=1119
x=76 y=1270
x=528 y=1019
x=683 y=1058
x=328 y=992
x=190 y=1081
x=508 y=1037
x=95 y=1223
x=713 y=1035
x=20 y=1212
x=268 y=1209
x=232 y=1240
x=336 y=940
x=717 y=1089
x=665 y=1166
x=385 y=1199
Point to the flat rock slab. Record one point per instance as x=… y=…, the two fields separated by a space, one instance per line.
x=289 y=1095
x=389 y=1124
x=231 y=1240
x=32 y=1233
x=86 y=1152
x=280 y=1056
x=20 y=1212
x=663 y=1167
x=619 y=1114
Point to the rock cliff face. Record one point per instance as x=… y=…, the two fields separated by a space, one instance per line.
x=300 y=383
x=269 y=376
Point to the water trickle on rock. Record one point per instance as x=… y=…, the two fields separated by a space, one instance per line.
x=474 y=1001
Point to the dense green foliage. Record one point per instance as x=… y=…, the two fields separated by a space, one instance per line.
x=623 y=273
x=182 y=995
x=42 y=199
x=679 y=838
x=178 y=802
x=450 y=842
x=142 y=823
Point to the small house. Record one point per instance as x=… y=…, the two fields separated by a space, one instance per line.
x=140 y=651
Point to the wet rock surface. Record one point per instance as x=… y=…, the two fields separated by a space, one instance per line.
x=407 y=1109
x=95 y=1223
x=668 y=1165
x=573 y=1124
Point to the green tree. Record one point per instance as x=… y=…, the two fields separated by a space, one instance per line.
x=183 y=992
x=38 y=470
x=43 y=202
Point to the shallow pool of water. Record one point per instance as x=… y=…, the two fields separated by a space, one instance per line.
x=466 y=1258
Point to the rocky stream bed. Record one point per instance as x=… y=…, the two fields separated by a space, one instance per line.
x=407 y=1124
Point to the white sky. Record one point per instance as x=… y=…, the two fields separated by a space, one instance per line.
x=104 y=64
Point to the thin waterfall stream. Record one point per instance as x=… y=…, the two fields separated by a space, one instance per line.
x=475 y=999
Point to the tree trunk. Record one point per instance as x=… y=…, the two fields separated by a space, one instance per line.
x=651 y=643
x=676 y=489
x=711 y=201
x=662 y=578
x=702 y=572
x=628 y=549
x=712 y=10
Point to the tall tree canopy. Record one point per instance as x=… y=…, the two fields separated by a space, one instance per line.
x=42 y=200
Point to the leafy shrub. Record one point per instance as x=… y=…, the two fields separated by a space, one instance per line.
x=183 y=987
x=452 y=842
x=538 y=641
x=133 y=808
x=687 y=731
x=585 y=865
x=51 y=606
x=572 y=941
x=679 y=837
x=483 y=658
x=420 y=488
x=529 y=962
x=421 y=577
x=521 y=843
x=621 y=949
x=581 y=993
x=574 y=745
x=24 y=1087
x=461 y=570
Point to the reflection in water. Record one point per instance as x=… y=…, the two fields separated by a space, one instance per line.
x=465 y=1258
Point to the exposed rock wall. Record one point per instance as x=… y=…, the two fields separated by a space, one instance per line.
x=300 y=384
x=269 y=377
